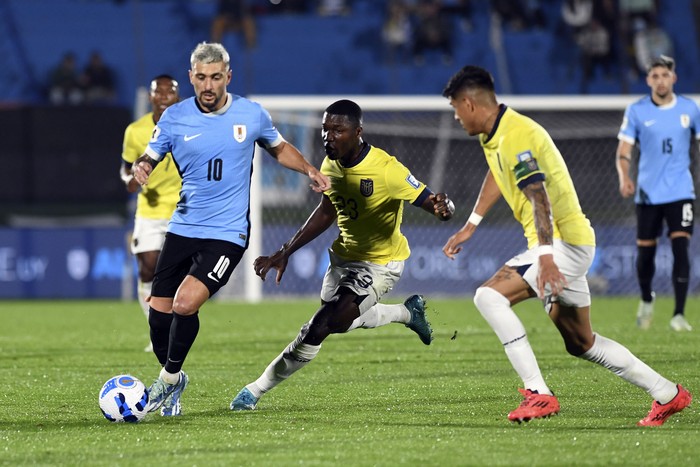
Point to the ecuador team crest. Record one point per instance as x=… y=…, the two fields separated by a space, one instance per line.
x=366 y=187
x=239 y=133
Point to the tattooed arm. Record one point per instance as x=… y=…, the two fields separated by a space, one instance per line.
x=549 y=273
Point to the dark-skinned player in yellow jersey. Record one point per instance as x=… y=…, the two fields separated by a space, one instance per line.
x=368 y=190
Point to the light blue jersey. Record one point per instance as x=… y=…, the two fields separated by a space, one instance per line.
x=214 y=155
x=665 y=134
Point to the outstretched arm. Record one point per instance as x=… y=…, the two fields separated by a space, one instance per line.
x=318 y=222
x=488 y=195
x=290 y=157
x=623 y=160
x=542 y=212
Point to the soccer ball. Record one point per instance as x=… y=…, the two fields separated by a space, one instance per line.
x=123 y=398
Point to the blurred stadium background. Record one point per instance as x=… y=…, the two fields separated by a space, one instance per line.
x=65 y=217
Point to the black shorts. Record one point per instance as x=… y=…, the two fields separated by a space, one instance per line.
x=650 y=217
x=210 y=261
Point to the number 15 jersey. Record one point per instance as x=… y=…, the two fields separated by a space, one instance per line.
x=214 y=154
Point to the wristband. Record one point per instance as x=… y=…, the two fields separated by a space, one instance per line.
x=474 y=218
x=545 y=250
x=127 y=178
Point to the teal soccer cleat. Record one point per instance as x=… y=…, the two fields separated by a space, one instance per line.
x=244 y=400
x=418 y=324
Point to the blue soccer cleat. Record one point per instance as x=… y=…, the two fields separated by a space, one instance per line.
x=160 y=391
x=171 y=406
x=418 y=324
x=244 y=400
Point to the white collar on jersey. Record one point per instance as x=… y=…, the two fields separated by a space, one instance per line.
x=670 y=105
x=222 y=110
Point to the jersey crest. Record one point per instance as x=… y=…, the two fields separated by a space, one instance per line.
x=685 y=120
x=366 y=187
x=239 y=133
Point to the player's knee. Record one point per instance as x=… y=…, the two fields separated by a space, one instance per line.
x=146 y=275
x=486 y=297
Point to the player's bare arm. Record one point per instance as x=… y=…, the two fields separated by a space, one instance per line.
x=290 y=157
x=318 y=222
x=623 y=160
x=142 y=167
x=440 y=205
x=488 y=195
x=549 y=273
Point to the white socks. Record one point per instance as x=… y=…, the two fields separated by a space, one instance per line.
x=496 y=310
x=618 y=359
x=293 y=358
x=380 y=314
x=170 y=378
x=144 y=290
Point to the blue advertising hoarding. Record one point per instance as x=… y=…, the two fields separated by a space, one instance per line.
x=92 y=262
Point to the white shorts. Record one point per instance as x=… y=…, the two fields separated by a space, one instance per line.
x=149 y=235
x=573 y=262
x=363 y=278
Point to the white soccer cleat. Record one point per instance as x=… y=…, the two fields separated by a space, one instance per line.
x=645 y=312
x=679 y=324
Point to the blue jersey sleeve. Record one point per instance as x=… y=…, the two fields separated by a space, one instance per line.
x=269 y=136
x=628 y=129
x=161 y=141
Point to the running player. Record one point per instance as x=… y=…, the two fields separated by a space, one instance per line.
x=366 y=200
x=527 y=170
x=212 y=138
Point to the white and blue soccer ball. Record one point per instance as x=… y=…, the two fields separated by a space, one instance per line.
x=123 y=398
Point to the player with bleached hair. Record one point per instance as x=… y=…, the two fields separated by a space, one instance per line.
x=368 y=190
x=527 y=170
x=212 y=138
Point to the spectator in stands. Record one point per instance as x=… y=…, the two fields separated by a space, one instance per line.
x=433 y=31
x=511 y=12
x=664 y=124
x=64 y=82
x=650 y=41
x=461 y=9
x=98 y=81
x=590 y=23
x=234 y=15
x=634 y=17
x=397 y=31
x=333 y=7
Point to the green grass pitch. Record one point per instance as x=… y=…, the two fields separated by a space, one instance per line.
x=371 y=397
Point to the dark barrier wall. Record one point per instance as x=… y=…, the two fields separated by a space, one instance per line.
x=62 y=154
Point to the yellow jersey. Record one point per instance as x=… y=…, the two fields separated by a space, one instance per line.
x=518 y=150
x=368 y=198
x=158 y=199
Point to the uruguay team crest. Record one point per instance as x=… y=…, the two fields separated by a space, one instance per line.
x=366 y=187
x=239 y=133
x=685 y=120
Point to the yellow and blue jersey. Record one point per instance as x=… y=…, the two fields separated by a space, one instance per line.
x=158 y=199
x=518 y=152
x=368 y=198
